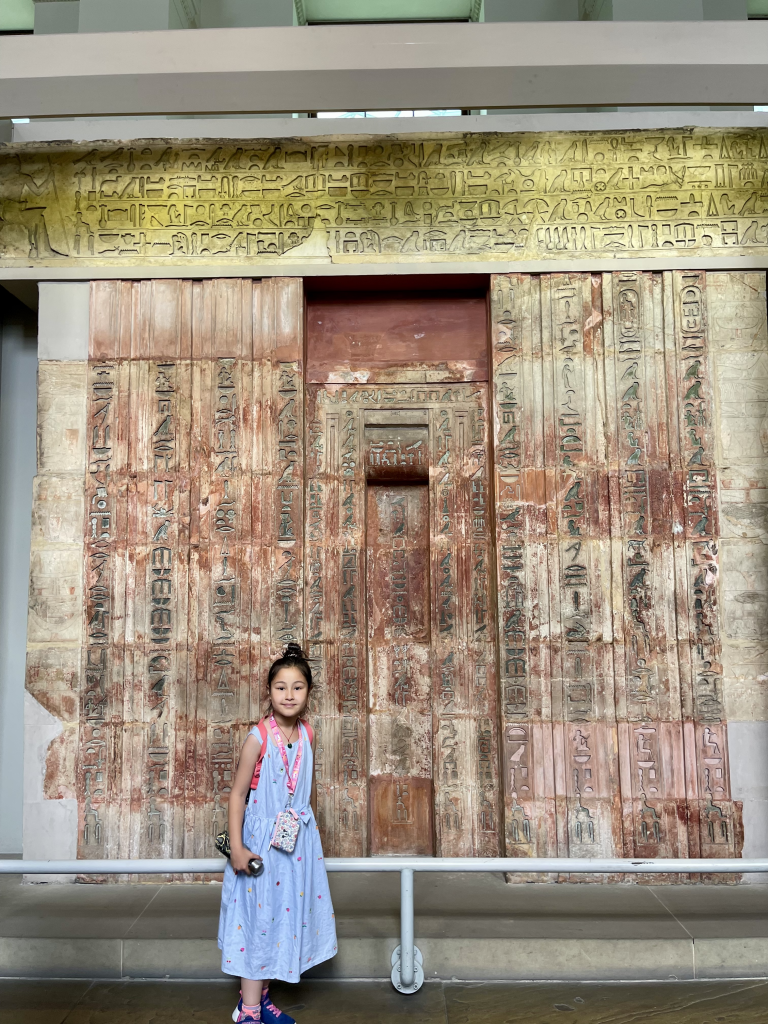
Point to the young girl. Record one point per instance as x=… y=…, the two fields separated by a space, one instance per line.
x=280 y=923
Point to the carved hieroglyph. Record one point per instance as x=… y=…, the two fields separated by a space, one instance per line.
x=443 y=197
x=400 y=618
x=193 y=549
x=607 y=515
x=530 y=603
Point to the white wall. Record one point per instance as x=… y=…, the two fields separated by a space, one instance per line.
x=18 y=415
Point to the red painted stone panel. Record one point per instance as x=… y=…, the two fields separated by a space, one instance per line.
x=400 y=705
x=509 y=595
x=194 y=537
x=401 y=816
x=605 y=489
x=366 y=339
x=429 y=706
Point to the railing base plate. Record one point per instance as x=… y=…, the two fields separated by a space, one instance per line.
x=418 y=972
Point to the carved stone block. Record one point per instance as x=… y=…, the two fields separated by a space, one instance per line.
x=529 y=603
x=447 y=198
x=61 y=417
x=58 y=505
x=55 y=596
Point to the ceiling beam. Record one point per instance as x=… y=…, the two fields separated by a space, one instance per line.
x=385 y=67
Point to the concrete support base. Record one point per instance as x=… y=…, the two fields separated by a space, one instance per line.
x=468 y=927
x=444 y=959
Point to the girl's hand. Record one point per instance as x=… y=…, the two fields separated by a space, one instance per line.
x=241 y=858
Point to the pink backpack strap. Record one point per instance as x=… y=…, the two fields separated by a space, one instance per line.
x=262 y=727
x=310 y=731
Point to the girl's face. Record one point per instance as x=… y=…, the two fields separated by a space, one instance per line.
x=289 y=692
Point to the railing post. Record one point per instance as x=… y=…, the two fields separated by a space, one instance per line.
x=406 y=927
x=407 y=970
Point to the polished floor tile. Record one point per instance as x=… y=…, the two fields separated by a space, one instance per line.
x=680 y=1003
x=155 y=1002
x=33 y=1002
x=361 y=1003
x=313 y=1002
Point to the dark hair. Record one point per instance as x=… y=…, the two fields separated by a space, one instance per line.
x=292 y=657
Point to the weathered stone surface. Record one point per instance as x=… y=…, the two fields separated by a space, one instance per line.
x=444 y=197
x=548 y=588
x=612 y=688
x=58 y=505
x=744 y=567
x=61 y=417
x=398 y=533
x=53 y=679
x=740 y=352
x=55 y=595
x=55 y=618
x=193 y=544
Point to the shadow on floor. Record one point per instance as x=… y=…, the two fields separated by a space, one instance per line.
x=313 y=1002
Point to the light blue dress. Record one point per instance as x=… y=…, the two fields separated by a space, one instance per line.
x=282 y=923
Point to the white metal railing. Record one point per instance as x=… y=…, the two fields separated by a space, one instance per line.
x=407 y=963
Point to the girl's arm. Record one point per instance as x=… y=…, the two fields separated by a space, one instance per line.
x=313 y=789
x=248 y=758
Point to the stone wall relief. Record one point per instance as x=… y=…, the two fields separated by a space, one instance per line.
x=445 y=197
x=617 y=745
x=546 y=590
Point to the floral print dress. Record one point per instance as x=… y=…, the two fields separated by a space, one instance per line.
x=280 y=924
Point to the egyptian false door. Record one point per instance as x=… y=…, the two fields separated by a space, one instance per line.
x=398 y=571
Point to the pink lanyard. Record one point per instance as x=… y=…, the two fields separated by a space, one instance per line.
x=292 y=777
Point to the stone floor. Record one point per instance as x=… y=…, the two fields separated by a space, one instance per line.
x=132 y=1002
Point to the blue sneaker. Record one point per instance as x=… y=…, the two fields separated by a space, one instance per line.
x=239 y=1016
x=270 y=1013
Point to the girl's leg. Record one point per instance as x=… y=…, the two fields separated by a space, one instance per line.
x=251 y=991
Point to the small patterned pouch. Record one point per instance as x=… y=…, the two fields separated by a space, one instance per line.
x=287 y=825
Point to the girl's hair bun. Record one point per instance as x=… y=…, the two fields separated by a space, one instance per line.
x=293 y=650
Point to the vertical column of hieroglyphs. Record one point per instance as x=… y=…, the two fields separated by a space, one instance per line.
x=521 y=565
x=278 y=578
x=588 y=814
x=335 y=616
x=715 y=828
x=278 y=333
x=321 y=608
x=55 y=620
x=477 y=573
x=452 y=743
x=739 y=353
x=157 y=646
x=105 y=525
x=350 y=667
x=133 y=723
x=221 y=548
x=463 y=654
x=645 y=664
